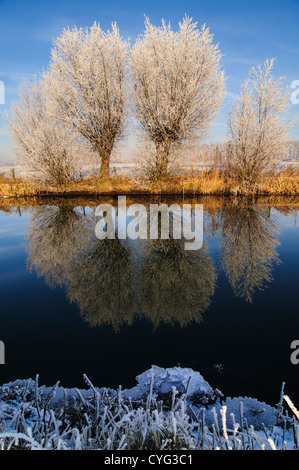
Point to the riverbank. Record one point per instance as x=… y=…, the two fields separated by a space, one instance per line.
x=212 y=203
x=168 y=409
x=284 y=183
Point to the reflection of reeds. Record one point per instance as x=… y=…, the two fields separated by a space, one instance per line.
x=286 y=205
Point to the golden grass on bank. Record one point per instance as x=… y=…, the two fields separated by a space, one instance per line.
x=16 y=187
x=91 y=185
x=205 y=183
x=285 y=182
x=208 y=182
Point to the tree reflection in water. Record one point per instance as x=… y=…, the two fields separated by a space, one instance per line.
x=100 y=279
x=175 y=285
x=97 y=274
x=114 y=280
x=55 y=234
x=249 y=244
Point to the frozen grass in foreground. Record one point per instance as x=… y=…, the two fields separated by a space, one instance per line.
x=33 y=417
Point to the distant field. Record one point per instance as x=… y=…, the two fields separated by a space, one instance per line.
x=125 y=168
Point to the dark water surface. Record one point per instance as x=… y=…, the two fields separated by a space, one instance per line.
x=72 y=304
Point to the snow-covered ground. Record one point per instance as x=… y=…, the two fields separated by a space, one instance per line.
x=167 y=409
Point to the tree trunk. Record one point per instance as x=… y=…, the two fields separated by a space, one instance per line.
x=104 y=170
x=162 y=159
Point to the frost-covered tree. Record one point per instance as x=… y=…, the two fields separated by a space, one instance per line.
x=294 y=151
x=177 y=85
x=258 y=130
x=87 y=80
x=49 y=151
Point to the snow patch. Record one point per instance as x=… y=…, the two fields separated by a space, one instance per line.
x=163 y=381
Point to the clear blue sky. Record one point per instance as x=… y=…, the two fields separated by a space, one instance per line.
x=248 y=32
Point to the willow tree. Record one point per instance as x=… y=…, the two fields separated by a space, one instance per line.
x=177 y=85
x=258 y=129
x=47 y=150
x=87 y=81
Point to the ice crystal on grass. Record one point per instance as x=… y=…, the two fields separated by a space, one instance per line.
x=54 y=418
